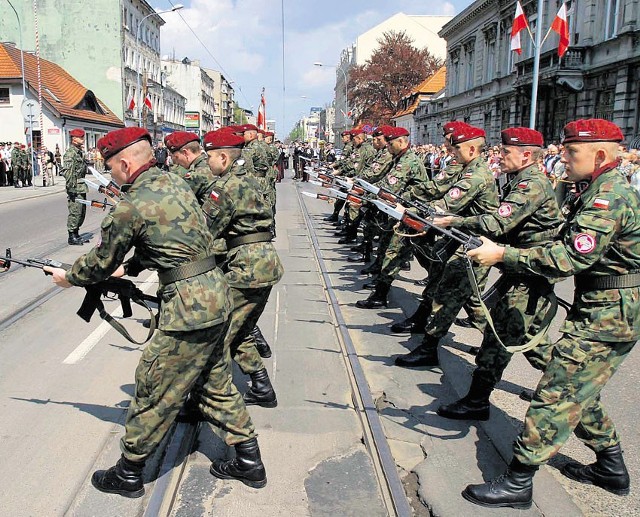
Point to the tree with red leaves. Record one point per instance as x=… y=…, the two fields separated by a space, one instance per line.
x=392 y=71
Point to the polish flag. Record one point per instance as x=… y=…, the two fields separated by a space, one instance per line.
x=519 y=24
x=262 y=113
x=131 y=103
x=561 y=26
x=147 y=103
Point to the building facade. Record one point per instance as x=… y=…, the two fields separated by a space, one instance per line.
x=489 y=85
x=223 y=99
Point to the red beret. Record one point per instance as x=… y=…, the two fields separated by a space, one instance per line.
x=391 y=132
x=178 y=139
x=522 y=136
x=356 y=131
x=247 y=127
x=115 y=141
x=79 y=133
x=269 y=133
x=450 y=127
x=221 y=139
x=463 y=132
x=381 y=130
x=592 y=130
x=346 y=133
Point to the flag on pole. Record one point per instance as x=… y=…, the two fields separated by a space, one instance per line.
x=131 y=103
x=561 y=26
x=519 y=23
x=147 y=103
x=262 y=112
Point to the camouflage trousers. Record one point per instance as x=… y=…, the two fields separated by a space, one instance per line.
x=517 y=313
x=397 y=253
x=567 y=399
x=77 y=212
x=248 y=306
x=169 y=367
x=449 y=294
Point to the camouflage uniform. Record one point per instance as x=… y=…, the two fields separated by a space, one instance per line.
x=363 y=157
x=528 y=216
x=159 y=216
x=199 y=178
x=600 y=239
x=257 y=164
x=373 y=174
x=15 y=165
x=236 y=209
x=474 y=193
x=74 y=170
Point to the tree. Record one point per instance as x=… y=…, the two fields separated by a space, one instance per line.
x=392 y=71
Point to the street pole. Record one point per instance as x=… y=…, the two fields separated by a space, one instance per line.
x=138 y=92
x=536 y=67
x=346 y=102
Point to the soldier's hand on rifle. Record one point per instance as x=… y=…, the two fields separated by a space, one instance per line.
x=58 y=275
x=488 y=254
x=443 y=222
x=400 y=208
x=119 y=273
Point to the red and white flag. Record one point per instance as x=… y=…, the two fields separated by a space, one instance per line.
x=131 y=103
x=262 y=113
x=561 y=26
x=147 y=103
x=519 y=23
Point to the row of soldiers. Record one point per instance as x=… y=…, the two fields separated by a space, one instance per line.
x=20 y=172
x=207 y=229
x=598 y=243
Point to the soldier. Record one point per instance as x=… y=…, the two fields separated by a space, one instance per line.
x=186 y=152
x=600 y=245
x=405 y=170
x=528 y=216
x=74 y=170
x=237 y=212
x=15 y=164
x=473 y=193
x=160 y=217
x=347 y=148
x=29 y=166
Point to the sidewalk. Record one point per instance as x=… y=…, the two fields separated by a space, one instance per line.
x=11 y=194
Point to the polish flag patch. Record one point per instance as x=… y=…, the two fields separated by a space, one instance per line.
x=523 y=184
x=454 y=193
x=505 y=210
x=214 y=196
x=601 y=203
x=468 y=174
x=584 y=243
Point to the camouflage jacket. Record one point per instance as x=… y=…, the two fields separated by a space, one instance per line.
x=256 y=158
x=379 y=166
x=346 y=154
x=235 y=208
x=528 y=212
x=159 y=216
x=273 y=152
x=361 y=158
x=200 y=178
x=473 y=192
x=436 y=188
x=74 y=169
x=405 y=170
x=600 y=238
x=15 y=160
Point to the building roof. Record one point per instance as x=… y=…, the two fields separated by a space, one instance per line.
x=431 y=85
x=62 y=93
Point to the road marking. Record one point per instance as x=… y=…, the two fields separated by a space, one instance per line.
x=94 y=338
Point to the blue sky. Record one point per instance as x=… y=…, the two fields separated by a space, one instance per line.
x=244 y=38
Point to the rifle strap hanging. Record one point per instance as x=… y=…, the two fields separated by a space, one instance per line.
x=120 y=328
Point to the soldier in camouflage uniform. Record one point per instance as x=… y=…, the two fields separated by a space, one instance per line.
x=190 y=162
x=159 y=216
x=74 y=169
x=472 y=194
x=600 y=245
x=405 y=171
x=237 y=212
x=528 y=216
x=15 y=164
x=347 y=149
x=28 y=168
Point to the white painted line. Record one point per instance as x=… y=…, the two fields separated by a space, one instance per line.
x=275 y=336
x=94 y=338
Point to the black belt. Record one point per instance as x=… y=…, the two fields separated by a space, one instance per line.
x=598 y=283
x=252 y=238
x=187 y=270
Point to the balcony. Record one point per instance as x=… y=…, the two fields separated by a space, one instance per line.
x=567 y=72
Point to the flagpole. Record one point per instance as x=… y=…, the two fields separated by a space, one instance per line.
x=536 y=67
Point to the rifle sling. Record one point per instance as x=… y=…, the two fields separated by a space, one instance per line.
x=120 y=328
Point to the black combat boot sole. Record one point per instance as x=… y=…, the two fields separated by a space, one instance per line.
x=265 y=354
x=518 y=506
x=616 y=491
x=481 y=415
x=249 y=482
x=261 y=403
x=123 y=493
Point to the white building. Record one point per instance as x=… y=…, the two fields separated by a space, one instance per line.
x=223 y=99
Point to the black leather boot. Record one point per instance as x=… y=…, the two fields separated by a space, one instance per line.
x=473 y=406
x=350 y=235
x=359 y=248
x=415 y=323
x=370 y=285
x=465 y=322
x=261 y=392
x=514 y=488
x=73 y=241
x=425 y=355
x=247 y=466
x=373 y=269
x=261 y=343
x=80 y=238
x=331 y=218
x=608 y=472
x=377 y=298
x=125 y=479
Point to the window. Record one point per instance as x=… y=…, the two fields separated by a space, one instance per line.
x=470 y=70
x=611 y=20
x=604 y=104
x=489 y=68
x=4 y=96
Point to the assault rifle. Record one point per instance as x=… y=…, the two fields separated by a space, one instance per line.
x=93 y=203
x=389 y=196
x=106 y=186
x=111 y=288
x=336 y=194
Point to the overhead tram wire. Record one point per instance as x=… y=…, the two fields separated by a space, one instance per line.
x=210 y=53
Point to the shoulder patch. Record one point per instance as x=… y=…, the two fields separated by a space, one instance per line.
x=468 y=174
x=392 y=180
x=603 y=204
x=584 y=243
x=214 y=196
x=523 y=184
x=455 y=193
x=505 y=210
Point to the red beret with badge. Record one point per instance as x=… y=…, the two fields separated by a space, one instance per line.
x=463 y=132
x=394 y=132
x=78 y=133
x=449 y=128
x=592 y=130
x=178 y=139
x=115 y=141
x=380 y=130
x=269 y=133
x=522 y=136
x=222 y=139
x=247 y=127
x=345 y=133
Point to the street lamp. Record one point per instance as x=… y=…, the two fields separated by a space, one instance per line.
x=346 y=104
x=177 y=7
